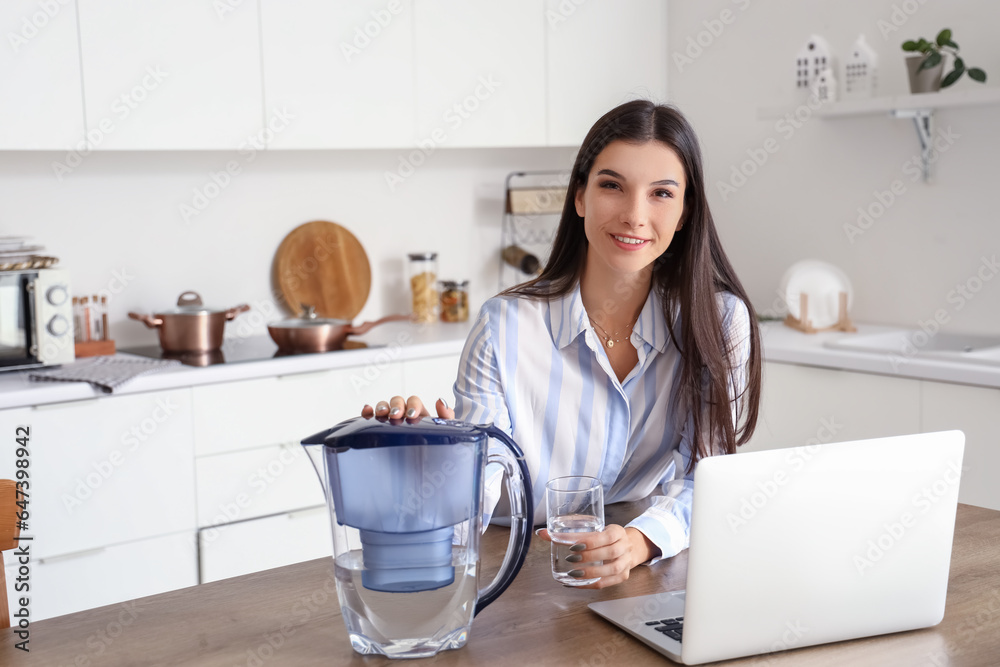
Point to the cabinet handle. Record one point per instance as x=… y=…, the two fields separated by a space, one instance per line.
x=305 y=376
x=306 y=512
x=76 y=554
x=69 y=404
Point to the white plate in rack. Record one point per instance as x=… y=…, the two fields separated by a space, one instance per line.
x=823 y=282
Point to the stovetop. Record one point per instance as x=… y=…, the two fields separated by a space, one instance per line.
x=233 y=351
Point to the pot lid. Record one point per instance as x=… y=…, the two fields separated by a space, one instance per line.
x=309 y=319
x=189 y=303
x=361 y=433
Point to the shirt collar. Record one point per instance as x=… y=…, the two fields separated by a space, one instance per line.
x=568 y=320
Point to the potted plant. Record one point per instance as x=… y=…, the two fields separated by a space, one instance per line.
x=926 y=64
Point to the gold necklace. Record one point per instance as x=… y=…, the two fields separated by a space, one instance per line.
x=611 y=339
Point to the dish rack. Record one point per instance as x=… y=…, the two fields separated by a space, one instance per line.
x=533 y=203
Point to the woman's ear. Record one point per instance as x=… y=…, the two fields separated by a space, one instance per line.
x=578 y=201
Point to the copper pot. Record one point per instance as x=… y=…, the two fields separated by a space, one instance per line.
x=310 y=333
x=190 y=327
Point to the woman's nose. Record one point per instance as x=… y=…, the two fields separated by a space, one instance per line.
x=633 y=212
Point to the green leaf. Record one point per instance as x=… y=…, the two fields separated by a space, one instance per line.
x=944 y=37
x=952 y=77
x=930 y=61
x=909 y=45
x=923 y=45
x=959 y=63
x=977 y=74
x=949 y=43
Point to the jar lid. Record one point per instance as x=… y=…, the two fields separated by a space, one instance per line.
x=454 y=284
x=422 y=256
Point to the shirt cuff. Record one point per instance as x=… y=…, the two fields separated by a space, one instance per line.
x=664 y=530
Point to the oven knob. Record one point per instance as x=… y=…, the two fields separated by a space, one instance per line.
x=58 y=326
x=57 y=295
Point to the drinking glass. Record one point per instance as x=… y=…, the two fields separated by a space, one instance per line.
x=574 y=505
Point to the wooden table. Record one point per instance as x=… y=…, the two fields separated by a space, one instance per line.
x=290 y=616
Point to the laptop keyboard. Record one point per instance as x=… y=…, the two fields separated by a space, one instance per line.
x=671 y=627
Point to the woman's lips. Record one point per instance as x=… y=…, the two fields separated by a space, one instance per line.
x=625 y=245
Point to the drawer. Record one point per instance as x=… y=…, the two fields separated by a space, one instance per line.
x=243 y=415
x=254 y=483
x=431 y=379
x=107 y=471
x=74 y=582
x=261 y=544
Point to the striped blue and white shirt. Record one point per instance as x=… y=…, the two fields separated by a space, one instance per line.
x=538 y=371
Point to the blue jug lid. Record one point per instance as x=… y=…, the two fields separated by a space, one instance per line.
x=361 y=433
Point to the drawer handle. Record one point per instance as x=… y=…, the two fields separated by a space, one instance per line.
x=77 y=554
x=305 y=376
x=306 y=512
x=68 y=404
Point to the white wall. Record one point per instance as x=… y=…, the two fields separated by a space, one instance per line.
x=119 y=212
x=796 y=205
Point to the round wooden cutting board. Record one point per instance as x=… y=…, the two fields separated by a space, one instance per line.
x=323 y=265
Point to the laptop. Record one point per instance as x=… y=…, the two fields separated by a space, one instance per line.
x=808 y=545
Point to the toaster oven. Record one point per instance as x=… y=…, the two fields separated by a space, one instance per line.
x=36 y=319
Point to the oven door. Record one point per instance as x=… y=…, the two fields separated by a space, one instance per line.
x=18 y=349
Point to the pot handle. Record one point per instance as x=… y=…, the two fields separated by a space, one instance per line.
x=148 y=320
x=368 y=326
x=189 y=298
x=233 y=312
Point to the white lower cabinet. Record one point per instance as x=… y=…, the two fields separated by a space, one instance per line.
x=74 y=582
x=431 y=379
x=260 y=544
x=803 y=405
x=974 y=410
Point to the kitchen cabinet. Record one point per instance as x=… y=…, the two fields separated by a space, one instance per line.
x=600 y=54
x=431 y=379
x=480 y=73
x=343 y=70
x=251 y=546
x=43 y=97
x=974 y=410
x=805 y=405
x=172 y=74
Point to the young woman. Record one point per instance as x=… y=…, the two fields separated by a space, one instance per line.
x=636 y=351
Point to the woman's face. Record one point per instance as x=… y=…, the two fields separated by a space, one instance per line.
x=631 y=205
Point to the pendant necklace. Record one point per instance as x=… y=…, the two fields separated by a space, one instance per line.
x=611 y=339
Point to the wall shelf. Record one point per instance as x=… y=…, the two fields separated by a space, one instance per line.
x=918 y=108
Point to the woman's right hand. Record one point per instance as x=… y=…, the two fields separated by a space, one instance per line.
x=397 y=409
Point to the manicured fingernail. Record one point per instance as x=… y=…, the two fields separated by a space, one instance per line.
x=538 y=532
x=382 y=407
x=367 y=408
x=412 y=412
x=576 y=573
x=574 y=558
x=394 y=412
x=578 y=547
x=443 y=402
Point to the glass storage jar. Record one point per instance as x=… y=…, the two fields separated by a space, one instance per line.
x=423 y=285
x=454 y=300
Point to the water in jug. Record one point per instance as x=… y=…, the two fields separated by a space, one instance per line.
x=405 y=505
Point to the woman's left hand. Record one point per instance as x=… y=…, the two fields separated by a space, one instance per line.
x=620 y=548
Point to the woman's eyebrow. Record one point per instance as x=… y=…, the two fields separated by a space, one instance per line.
x=614 y=174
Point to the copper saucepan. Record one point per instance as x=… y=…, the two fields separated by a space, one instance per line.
x=190 y=327
x=310 y=333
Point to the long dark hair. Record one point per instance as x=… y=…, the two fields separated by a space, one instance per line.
x=690 y=273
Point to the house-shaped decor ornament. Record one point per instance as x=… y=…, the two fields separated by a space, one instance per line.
x=813 y=58
x=824 y=87
x=861 y=70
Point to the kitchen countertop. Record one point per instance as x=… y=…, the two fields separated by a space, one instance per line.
x=400 y=341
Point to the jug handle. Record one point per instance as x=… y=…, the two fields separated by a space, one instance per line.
x=522 y=511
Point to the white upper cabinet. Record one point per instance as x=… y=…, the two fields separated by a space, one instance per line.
x=171 y=74
x=601 y=54
x=342 y=70
x=42 y=107
x=480 y=73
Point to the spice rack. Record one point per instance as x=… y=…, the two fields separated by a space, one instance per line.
x=90 y=324
x=533 y=203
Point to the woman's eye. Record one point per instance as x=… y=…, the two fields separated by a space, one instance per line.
x=609 y=185
x=663 y=193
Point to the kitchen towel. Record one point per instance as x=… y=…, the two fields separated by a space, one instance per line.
x=105 y=373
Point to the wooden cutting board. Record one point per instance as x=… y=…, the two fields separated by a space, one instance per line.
x=322 y=264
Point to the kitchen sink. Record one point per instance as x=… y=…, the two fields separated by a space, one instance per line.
x=915 y=343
